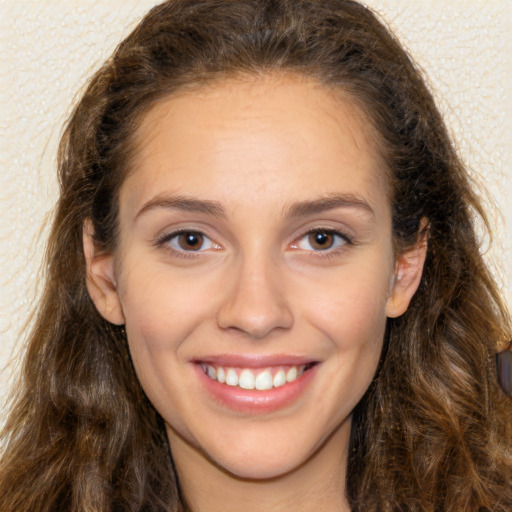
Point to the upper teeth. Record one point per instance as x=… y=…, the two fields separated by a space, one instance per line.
x=249 y=378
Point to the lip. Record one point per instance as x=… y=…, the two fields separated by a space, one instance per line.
x=254 y=361
x=255 y=402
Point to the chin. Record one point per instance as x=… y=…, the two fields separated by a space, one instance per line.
x=271 y=455
x=255 y=467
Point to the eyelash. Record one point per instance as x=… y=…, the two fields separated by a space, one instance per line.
x=330 y=251
x=165 y=238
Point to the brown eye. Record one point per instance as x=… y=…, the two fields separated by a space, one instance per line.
x=190 y=241
x=321 y=240
x=182 y=242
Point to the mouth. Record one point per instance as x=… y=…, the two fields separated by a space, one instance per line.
x=260 y=379
x=255 y=386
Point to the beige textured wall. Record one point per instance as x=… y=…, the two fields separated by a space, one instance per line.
x=50 y=47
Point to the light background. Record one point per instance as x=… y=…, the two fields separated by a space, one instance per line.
x=50 y=47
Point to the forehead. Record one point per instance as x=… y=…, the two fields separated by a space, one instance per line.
x=257 y=133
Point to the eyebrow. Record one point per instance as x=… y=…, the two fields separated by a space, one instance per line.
x=326 y=203
x=216 y=209
x=187 y=204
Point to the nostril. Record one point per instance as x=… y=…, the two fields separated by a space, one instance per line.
x=254 y=326
x=255 y=311
x=255 y=300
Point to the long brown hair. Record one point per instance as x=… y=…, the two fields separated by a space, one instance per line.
x=432 y=433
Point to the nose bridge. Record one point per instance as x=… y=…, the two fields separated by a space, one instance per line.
x=255 y=301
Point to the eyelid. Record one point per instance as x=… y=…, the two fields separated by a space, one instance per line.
x=168 y=236
x=163 y=240
x=346 y=240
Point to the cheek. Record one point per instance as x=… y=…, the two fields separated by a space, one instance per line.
x=350 y=307
x=352 y=317
x=162 y=312
x=161 y=307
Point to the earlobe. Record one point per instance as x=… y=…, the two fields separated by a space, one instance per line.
x=408 y=272
x=100 y=278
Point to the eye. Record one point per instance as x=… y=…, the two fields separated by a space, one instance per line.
x=322 y=240
x=188 y=241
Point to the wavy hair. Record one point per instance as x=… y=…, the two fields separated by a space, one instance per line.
x=432 y=433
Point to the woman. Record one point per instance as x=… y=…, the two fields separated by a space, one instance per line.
x=264 y=288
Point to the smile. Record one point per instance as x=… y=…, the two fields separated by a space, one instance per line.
x=261 y=379
x=256 y=385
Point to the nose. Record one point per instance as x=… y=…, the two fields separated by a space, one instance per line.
x=255 y=302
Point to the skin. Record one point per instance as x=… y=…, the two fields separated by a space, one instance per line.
x=257 y=285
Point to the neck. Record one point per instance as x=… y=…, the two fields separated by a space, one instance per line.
x=318 y=484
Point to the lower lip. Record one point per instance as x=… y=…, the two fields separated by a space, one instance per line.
x=251 y=401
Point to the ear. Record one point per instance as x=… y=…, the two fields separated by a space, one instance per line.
x=408 y=271
x=100 y=278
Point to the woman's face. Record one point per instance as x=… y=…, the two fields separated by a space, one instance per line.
x=255 y=251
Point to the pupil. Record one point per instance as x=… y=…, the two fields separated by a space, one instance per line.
x=192 y=241
x=321 y=240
